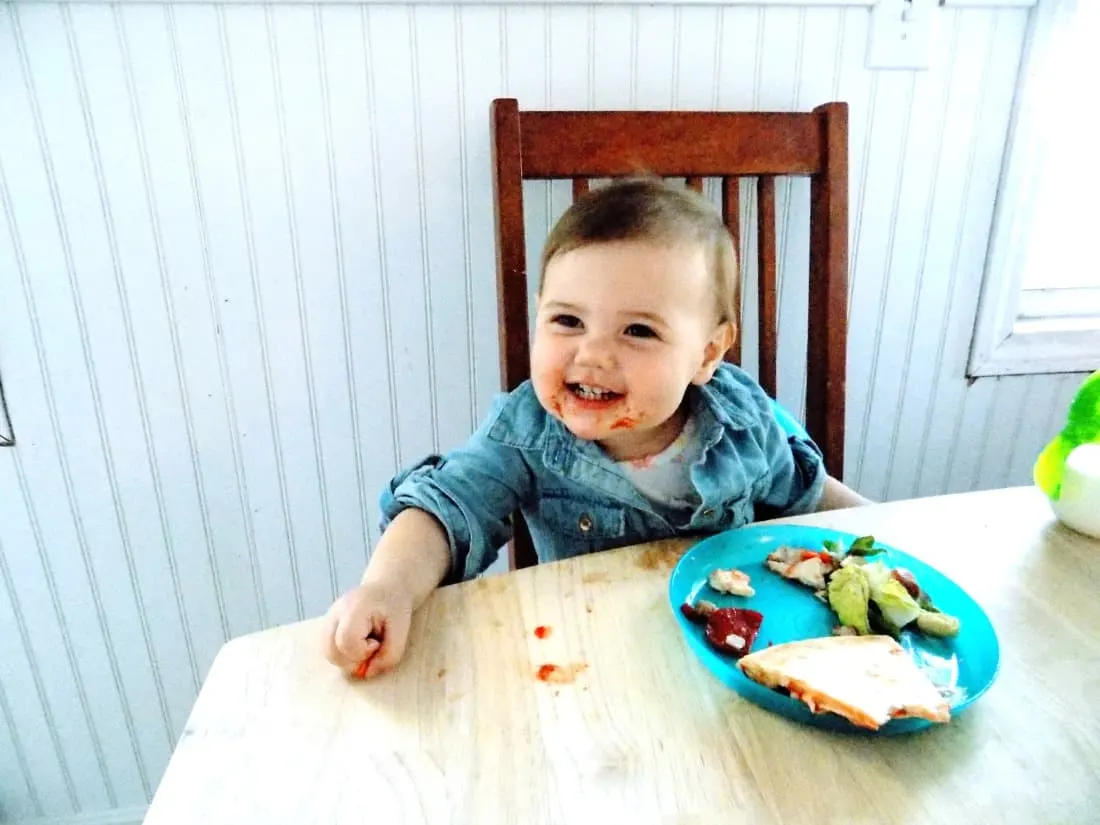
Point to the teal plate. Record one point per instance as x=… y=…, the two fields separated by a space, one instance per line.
x=963 y=668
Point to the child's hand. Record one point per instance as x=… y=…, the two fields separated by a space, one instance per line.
x=366 y=629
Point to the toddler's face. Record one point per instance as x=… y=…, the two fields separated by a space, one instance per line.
x=622 y=329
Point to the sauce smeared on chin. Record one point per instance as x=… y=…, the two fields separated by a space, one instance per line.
x=610 y=415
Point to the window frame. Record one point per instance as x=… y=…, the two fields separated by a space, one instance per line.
x=1008 y=337
x=7 y=434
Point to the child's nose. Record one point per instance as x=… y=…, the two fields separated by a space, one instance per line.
x=595 y=351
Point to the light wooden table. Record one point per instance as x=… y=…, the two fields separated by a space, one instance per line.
x=637 y=731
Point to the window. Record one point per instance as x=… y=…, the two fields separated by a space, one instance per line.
x=1040 y=304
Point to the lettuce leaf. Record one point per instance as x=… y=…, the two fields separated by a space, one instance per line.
x=849 y=593
x=897 y=606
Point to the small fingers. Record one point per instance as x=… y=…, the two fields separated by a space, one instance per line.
x=361 y=668
x=393 y=647
x=328 y=642
x=351 y=640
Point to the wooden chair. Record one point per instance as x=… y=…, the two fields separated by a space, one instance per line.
x=537 y=145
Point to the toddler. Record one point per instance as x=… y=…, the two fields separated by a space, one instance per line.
x=632 y=427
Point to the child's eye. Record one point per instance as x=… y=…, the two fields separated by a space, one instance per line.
x=640 y=331
x=567 y=321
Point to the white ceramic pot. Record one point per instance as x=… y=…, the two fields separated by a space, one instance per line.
x=1078 y=506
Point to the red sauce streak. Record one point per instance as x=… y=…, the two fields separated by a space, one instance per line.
x=542 y=631
x=558 y=674
x=625 y=423
x=548 y=673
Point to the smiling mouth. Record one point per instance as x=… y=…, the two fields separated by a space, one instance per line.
x=586 y=392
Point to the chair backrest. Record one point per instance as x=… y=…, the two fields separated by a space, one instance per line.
x=579 y=146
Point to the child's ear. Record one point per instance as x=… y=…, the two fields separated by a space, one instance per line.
x=719 y=344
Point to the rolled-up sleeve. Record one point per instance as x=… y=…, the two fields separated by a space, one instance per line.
x=472 y=491
x=797 y=467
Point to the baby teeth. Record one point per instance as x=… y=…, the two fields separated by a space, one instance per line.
x=591 y=392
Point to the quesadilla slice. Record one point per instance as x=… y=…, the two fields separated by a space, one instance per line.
x=868 y=680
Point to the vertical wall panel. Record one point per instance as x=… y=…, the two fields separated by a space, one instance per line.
x=247 y=259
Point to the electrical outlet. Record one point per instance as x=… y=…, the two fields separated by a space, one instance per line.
x=901 y=33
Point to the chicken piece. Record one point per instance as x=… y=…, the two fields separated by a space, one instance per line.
x=733 y=582
x=798 y=564
x=699 y=612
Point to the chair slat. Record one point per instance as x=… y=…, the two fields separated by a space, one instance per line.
x=731 y=209
x=766 y=282
x=580 y=186
x=696 y=183
x=511 y=254
x=827 y=333
x=731 y=216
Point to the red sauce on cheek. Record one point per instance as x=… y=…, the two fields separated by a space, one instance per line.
x=542 y=631
x=625 y=423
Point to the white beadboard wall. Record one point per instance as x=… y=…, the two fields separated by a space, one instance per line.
x=246 y=270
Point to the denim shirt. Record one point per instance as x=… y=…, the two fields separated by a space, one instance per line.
x=574 y=498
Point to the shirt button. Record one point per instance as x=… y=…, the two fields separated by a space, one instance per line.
x=585 y=523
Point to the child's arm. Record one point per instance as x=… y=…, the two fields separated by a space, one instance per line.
x=444 y=520
x=837 y=496
x=370 y=624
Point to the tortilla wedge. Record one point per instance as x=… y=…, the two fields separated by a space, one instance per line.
x=868 y=680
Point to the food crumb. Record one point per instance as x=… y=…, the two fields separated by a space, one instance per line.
x=559 y=674
x=442 y=673
x=542 y=631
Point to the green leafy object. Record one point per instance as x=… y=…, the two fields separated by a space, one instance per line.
x=832 y=546
x=897 y=606
x=849 y=594
x=1082 y=427
x=1083 y=417
x=877 y=575
x=873 y=551
x=1051 y=465
x=864 y=546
